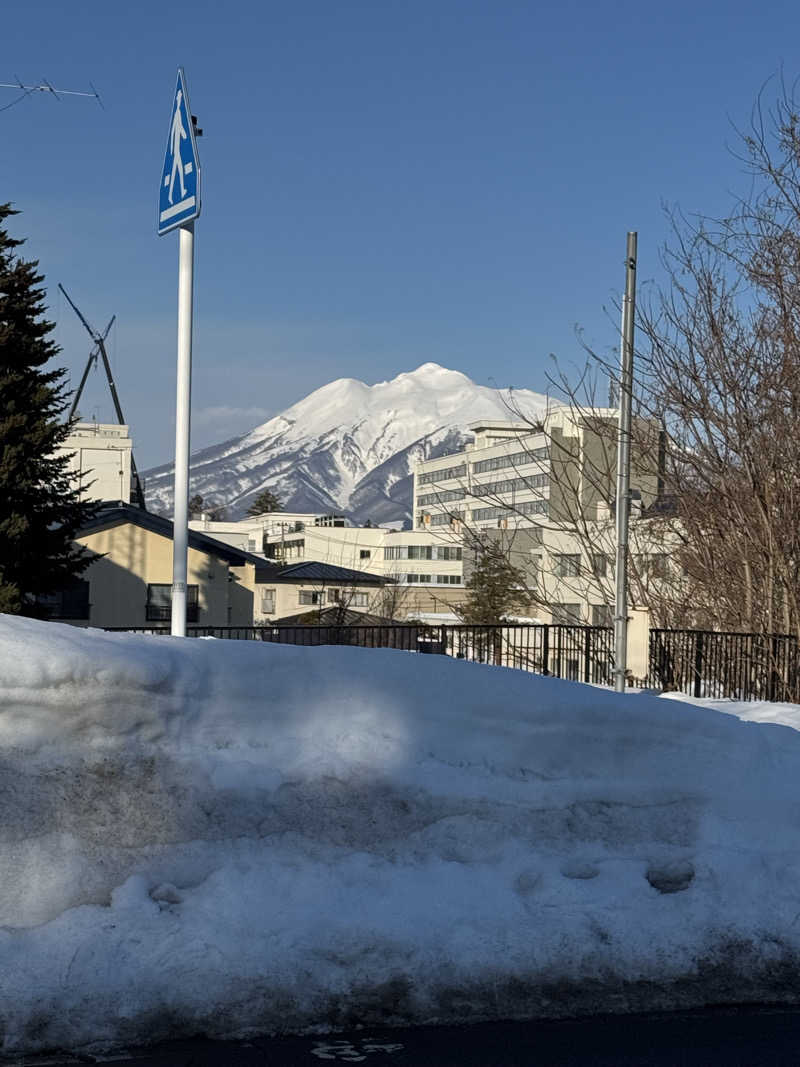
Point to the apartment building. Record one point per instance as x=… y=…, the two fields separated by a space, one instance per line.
x=546 y=494
x=515 y=475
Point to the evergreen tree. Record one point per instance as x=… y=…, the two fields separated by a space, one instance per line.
x=40 y=504
x=264 y=502
x=494 y=586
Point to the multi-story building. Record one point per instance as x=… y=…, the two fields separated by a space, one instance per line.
x=517 y=475
x=547 y=495
x=425 y=567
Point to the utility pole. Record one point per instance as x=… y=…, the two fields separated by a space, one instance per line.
x=178 y=207
x=624 y=466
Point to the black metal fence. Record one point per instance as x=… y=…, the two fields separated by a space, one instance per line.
x=740 y=666
x=577 y=653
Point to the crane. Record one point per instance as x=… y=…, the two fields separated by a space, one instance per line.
x=99 y=349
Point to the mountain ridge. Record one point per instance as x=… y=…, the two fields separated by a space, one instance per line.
x=346 y=447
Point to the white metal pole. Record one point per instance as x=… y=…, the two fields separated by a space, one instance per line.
x=624 y=466
x=180 y=528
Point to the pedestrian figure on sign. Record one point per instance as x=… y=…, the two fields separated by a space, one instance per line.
x=177 y=134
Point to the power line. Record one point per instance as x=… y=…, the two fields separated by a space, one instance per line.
x=45 y=87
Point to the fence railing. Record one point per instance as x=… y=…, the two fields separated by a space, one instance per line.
x=742 y=666
x=577 y=653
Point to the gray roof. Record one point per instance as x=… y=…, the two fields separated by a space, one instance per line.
x=311 y=571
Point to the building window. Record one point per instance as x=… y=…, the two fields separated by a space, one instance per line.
x=310 y=596
x=566 y=614
x=286 y=549
x=445 y=553
x=602 y=615
x=159 y=603
x=359 y=600
x=444 y=520
x=535 y=568
x=420 y=552
x=600 y=567
x=445 y=497
x=448 y=579
x=365 y=553
x=267 y=601
x=516 y=459
x=526 y=507
x=334 y=595
x=71 y=602
x=655 y=565
x=511 y=485
x=566 y=566
x=444 y=475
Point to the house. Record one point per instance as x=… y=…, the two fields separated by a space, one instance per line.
x=286 y=591
x=129 y=583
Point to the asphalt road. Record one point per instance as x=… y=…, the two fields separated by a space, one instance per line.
x=746 y=1037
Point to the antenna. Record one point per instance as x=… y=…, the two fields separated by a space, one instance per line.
x=99 y=348
x=44 y=86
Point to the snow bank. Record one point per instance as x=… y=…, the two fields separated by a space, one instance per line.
x=229 y=837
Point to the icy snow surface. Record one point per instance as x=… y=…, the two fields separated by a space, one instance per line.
x=230 y=837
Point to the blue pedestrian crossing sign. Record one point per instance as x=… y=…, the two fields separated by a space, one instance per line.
x=179 y=196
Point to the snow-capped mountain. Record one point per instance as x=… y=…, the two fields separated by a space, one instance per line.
x=347 y=447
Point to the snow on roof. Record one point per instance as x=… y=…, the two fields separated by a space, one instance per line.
x=226 y=837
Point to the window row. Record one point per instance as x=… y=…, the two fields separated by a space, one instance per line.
x=446 y=519
x=511 y=485
x=444 y=475
x=430 y=579
x=294 y=549
x=527 y=507
x=441 y=498
x=566 y=614
x=422 y=552
x=515 y=459
x=316 y=597
x=601 y=565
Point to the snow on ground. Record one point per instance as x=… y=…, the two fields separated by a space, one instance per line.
x=229 y=837
x=750 y=710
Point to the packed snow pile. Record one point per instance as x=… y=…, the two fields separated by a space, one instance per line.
x=229 y=837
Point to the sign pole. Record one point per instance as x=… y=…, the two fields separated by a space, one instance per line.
x=178 y=207
x=180 y=528
x=624 y=467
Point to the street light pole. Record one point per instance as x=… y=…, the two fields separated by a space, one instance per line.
x=624 y=466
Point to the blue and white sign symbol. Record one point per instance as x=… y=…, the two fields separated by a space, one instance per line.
x=179 y=198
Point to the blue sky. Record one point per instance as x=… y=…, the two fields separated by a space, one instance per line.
x=383 y=184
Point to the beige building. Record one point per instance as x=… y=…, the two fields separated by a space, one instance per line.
x=129 y=584
x=100 y=459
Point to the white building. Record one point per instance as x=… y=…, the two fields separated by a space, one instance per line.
x=425 y=565
x=547 y=495
x=100 y=459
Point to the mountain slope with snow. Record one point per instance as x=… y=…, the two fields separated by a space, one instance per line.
x=347 y=447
